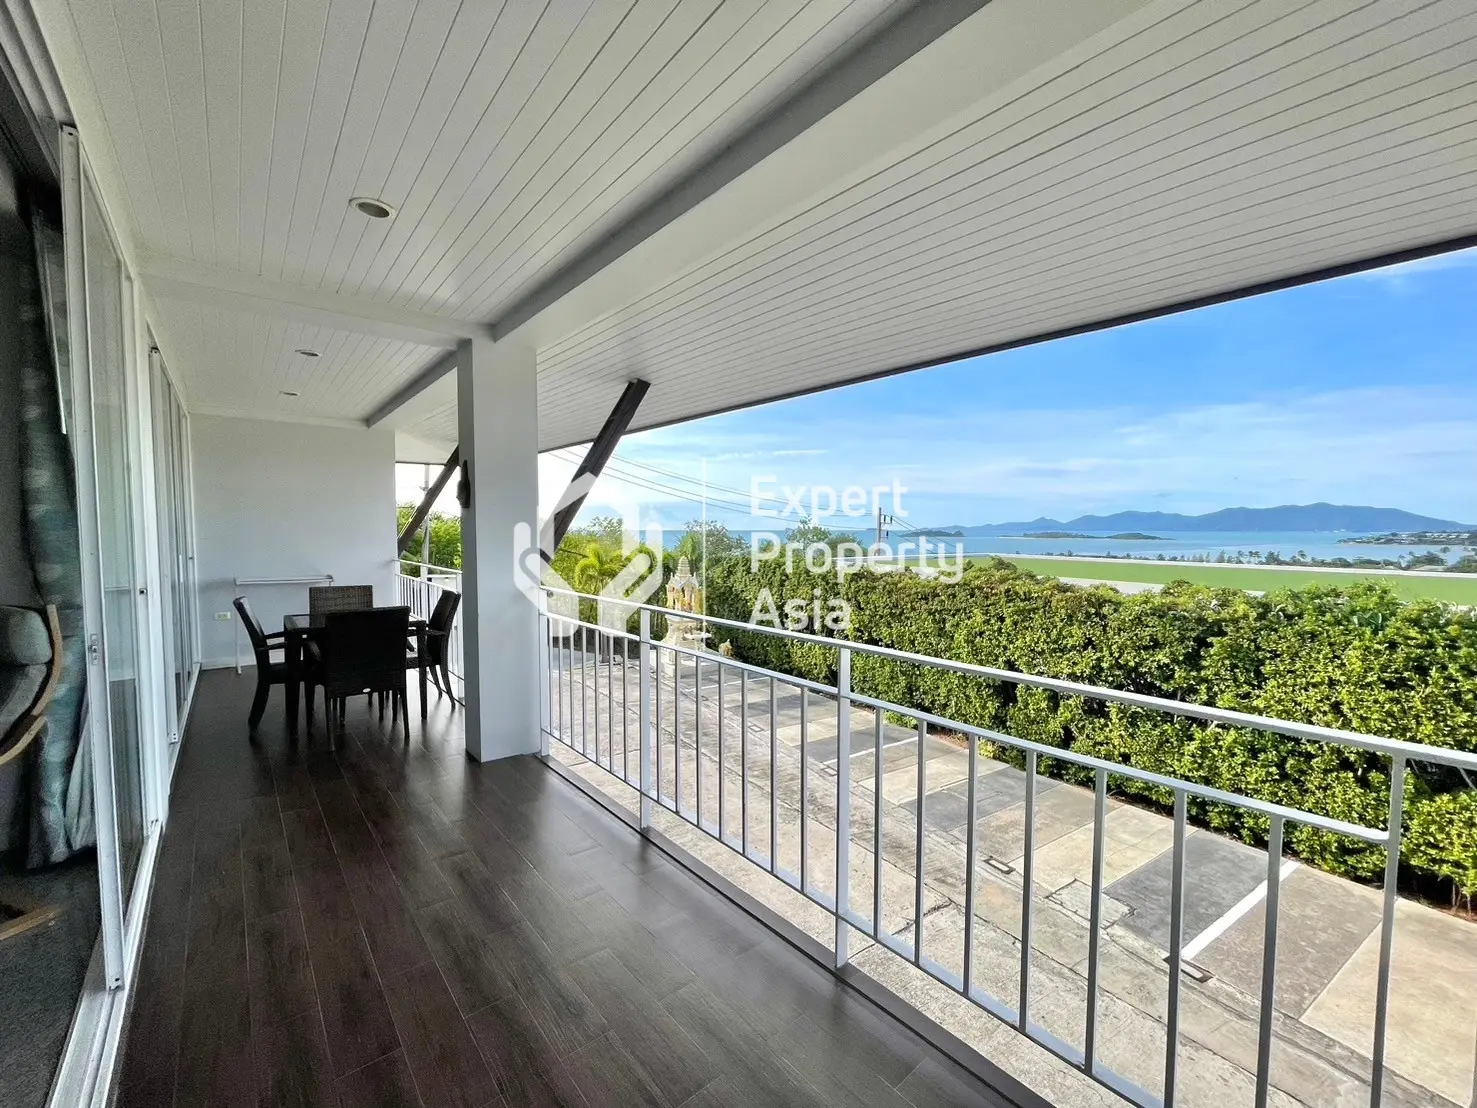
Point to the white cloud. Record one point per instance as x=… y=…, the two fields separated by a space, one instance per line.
x=1399 y=275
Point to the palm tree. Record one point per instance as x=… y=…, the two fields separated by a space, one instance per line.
x=597 y=568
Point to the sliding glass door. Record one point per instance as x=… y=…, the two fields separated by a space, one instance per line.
x=176 y=540
x=109 y=399
x=109 y=305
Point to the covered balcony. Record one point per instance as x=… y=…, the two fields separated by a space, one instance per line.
x=719 y=884
x=295 y=243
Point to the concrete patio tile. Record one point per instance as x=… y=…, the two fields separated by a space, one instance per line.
x=1128 y=825
x=1433 y=1000
x=1314 y=1075
x=947 y=808
x=1059 y=812
x=901 y=783
x=1076 y=897
x=1313 y=942
x=1218 y=873
x=1069 y=858
x=948 y=764
x=1029 y=1063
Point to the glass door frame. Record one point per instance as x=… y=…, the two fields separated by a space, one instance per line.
x=122 y=924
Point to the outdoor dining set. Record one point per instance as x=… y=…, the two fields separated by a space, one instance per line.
x=347 y=647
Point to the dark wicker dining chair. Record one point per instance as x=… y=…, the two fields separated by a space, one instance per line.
x=269 y=672
x=438 y=638
x=323 y=599
x=360 y=652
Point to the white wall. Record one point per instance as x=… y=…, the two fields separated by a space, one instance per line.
x=287 y=500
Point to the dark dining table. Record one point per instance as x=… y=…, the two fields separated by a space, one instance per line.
x=301 y=628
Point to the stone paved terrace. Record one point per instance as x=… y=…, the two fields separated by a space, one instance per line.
x=1328 y=932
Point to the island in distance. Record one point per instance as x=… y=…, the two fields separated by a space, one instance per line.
x=1286 y=517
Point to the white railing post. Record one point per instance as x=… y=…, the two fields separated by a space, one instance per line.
x=546 y=673
x=843 y=802
x=644 y=725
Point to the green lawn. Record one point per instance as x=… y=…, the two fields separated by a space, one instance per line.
x=1459 y=589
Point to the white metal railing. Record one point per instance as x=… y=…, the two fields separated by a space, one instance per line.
x=420 y=594
x=576 y=677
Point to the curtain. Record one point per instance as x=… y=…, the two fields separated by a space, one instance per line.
x=60 y=786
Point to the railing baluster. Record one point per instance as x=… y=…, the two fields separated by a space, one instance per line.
x=804 y=791
x=877 y=824
x=918 y=847
x=1176 y=951
x=625 y=706
x=744 y=761
x=843 y=802
x=1028 y=878
x=697 y=732
x=595 y=696
x=1094 y=934
x=566 y=686
x=774 y=781
x=644 y=720
x=1387 y=928
x=655 y=674
x=969 y=838
x=722 y=791
x=584 y=692
x=546 y=677
x=610 y=702
x=549 y=648
x=677 y=731
x=1269 y=964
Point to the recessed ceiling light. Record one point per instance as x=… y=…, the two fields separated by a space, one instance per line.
x=306 y=353
x=289 y=394
x=375 y=209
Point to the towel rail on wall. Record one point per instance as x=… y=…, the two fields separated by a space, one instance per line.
x=243 y=582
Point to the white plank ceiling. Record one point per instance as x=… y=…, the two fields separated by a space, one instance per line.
x=507 y=134
x=1192 y=148
x=1200 y=148
x=242 y=363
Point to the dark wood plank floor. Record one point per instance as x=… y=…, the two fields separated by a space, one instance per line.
x=361 y=920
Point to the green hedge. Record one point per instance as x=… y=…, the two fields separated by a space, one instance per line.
x=1356 y=658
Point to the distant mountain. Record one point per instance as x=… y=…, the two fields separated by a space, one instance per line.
x=1287 y=517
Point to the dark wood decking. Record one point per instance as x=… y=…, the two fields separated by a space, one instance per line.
x=364 y=921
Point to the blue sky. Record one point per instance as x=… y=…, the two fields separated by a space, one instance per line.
x=1358 y=390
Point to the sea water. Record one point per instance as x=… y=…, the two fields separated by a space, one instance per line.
x=1183 y=545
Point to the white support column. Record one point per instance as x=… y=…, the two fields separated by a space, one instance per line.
x=497 y=401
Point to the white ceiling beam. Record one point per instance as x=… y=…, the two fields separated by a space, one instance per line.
x=432 y=388
x=176 y=279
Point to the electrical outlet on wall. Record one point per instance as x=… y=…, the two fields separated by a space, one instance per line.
x=223 y=617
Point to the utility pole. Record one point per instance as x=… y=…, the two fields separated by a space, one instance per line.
x=882 y=521
x=426 y=526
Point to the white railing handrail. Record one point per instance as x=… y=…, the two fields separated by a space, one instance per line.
x=440 y=571
x=1419 y=752
x=421 y=594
